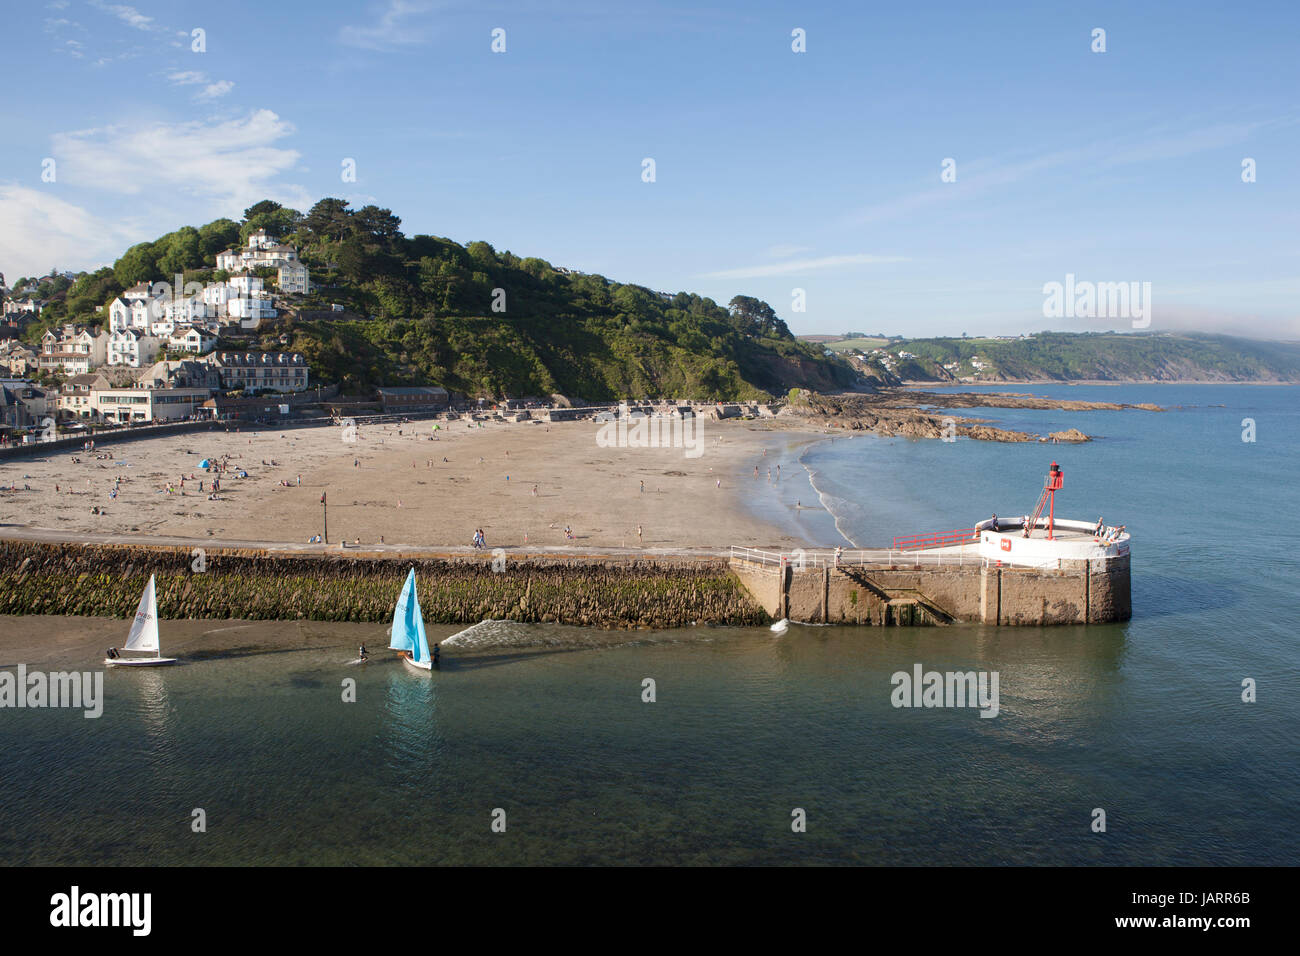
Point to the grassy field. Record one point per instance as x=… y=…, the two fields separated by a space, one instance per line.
x=844 y=345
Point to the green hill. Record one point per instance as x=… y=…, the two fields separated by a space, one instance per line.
x=1100 y=356
x=475 y=320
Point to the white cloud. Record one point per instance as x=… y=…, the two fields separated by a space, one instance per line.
x=210 y=91
x=391 y=28
x=798 y=266
x=229 y=163
x=38 y=231
x=215 y=90
x=128 y=15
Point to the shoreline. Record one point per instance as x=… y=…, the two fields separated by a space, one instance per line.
x=1083 y=381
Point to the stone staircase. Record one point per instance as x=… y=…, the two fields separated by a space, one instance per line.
x=897 y=607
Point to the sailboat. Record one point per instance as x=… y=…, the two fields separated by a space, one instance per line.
x=144 y=634
x=408 y=628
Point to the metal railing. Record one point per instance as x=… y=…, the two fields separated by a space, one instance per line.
x=890 y=558
x=938 y=539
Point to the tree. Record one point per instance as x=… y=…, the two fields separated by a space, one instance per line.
x=328 y=219
x=755 y=317
x=266 y=206
x=138 y=264
x=181 y=250
x=218 y=236
x=376 y=223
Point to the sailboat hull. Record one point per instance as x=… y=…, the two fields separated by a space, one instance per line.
x=424 y=666
x=142 y=662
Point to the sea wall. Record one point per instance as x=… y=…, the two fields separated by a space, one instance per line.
x=1079 y=592
x=106 y=580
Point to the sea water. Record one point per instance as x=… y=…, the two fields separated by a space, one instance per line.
x=552 y=730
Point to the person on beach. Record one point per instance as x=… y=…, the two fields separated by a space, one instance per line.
x=638 y=534
x=643 y=486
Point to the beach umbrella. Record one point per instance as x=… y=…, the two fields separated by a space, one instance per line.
x=205 y=463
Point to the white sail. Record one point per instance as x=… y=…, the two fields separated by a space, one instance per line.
x=144 y=629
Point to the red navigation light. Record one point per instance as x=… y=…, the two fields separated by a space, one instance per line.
x=1055 y=480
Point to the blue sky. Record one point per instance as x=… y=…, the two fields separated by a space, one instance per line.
x=775 y=170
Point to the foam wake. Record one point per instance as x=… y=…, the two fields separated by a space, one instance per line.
x=491 y=633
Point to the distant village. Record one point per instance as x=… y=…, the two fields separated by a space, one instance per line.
x=894 y=361
x=155 y=359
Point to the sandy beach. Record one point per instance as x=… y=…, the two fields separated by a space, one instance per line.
x=409 y=486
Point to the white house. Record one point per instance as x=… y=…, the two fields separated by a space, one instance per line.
x=215 y=296
x=146 y=404
x=195 y=339
x=73 y=350
x=131 y=348
x=250 y=310
x=261 y=250
x=185 y=311
x=139 y=292
x=20 y=306
x=133 y=313
x=245 y=285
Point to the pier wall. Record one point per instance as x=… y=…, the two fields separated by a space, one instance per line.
x=1079 y=592
x=253 y=584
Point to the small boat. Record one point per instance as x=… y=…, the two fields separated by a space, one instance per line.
x=408 y=629
x=143 y=635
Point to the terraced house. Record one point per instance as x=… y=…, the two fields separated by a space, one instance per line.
x=274 y=371
x=73 y=350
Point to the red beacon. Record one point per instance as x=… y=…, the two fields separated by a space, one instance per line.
x=1055 y=479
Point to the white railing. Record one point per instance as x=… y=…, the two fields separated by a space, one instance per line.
x=884 y=558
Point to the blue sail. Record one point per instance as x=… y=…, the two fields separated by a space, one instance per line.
x=406 y=618
x=420 y=650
